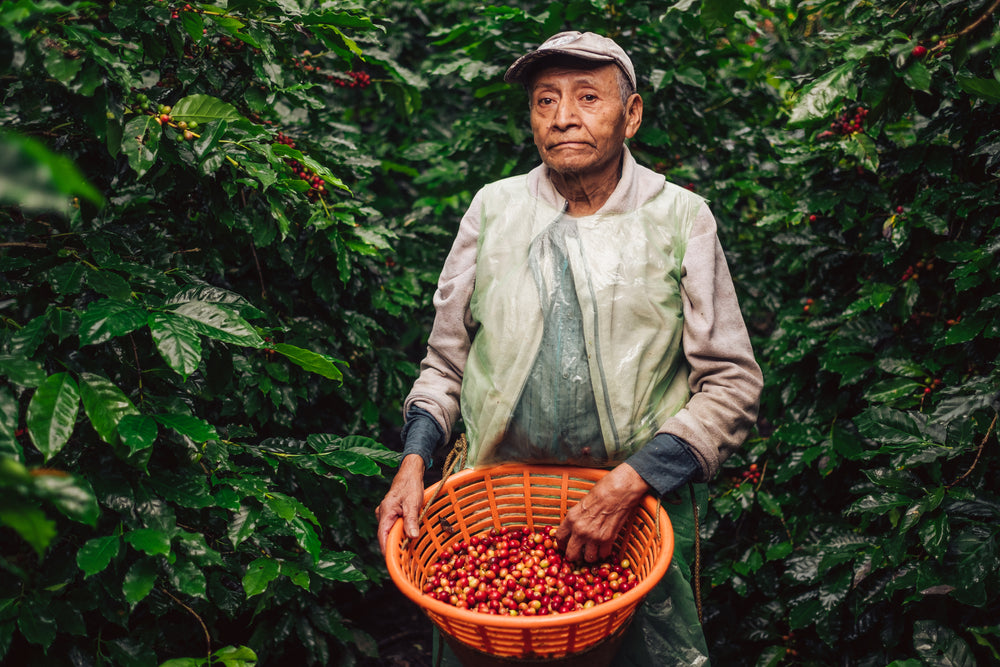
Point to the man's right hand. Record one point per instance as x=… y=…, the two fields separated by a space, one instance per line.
x=404 y=500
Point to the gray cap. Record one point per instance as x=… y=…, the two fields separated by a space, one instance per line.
x=583 y=45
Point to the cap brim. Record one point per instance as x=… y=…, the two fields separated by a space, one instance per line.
x=522 y=67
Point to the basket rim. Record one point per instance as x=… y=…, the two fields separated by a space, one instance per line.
x=631 y=598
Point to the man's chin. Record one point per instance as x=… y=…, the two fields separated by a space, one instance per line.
x=570 y=167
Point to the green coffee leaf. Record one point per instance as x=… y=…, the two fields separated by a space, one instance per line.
x=68 y=278
x=884 y=424
x=891 y=389
x=212 y=294
x=96 y=554
x=940 y=645
x=259 y=574
x=917 y=76
x=38 y=625
x=108 y=319
x=306 y=537
x=194 y=25
x=188 y=578
x=52 y=412
x=64 y=323
x=71 y=495
x=219 y=322
x=203 y=109
x=176 y=341
x=110 y=284
x=235 y=653
x=31 y=524
x=22 y=371
x=820 y=98
x=295 y=574
x=338 y=566
x=105 y=405
x=141 y=142
x=243 y=524
x=987 y=89
x=313 y=362
x=137 y=432
x=9 y=445
x=151 y=541
x=139 y=581
x=197 y=429
x=37 y=179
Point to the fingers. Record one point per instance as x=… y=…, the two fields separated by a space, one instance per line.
x=385 y=521
x=403 y=500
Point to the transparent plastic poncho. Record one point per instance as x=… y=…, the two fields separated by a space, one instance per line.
x=577 y=359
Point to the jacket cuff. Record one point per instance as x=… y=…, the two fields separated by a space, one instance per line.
x=665 y=463
x=421 y=434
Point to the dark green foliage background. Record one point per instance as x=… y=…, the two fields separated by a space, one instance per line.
x=201 y=359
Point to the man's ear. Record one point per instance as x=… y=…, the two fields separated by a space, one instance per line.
x=633 y=115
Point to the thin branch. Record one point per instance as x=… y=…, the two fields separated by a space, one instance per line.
x=975 y=24
x=979 y=452
x=208 y=638
x=138 y=365
x=22 y=244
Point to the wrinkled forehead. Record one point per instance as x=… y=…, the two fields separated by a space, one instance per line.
x=560 y=66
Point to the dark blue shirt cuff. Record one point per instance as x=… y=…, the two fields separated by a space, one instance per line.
x=665 y=463
x=421 y=434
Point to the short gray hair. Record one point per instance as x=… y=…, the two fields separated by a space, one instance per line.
x=625 y=87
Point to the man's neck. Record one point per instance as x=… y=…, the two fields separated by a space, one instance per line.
x=586 y=193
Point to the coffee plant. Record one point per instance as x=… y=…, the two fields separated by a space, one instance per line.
x=222 y=224
x=192 y=387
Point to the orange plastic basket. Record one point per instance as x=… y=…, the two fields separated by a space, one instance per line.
x=475 y=501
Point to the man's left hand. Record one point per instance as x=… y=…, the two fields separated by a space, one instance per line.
x=588 y=532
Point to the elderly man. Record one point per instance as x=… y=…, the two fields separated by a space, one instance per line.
x=586 y=316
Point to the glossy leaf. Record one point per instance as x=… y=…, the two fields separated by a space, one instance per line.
x=941 y=645
x=219 y=322
x=817 y=100
x=9 y=446
x=71 y=495
x=96 y=554
x=311 y=361
x=31 y=524
x=177 y=341
x=151 y=541
x=197 y=429
x=52 y=412
x=108 y=319
x=203 y=109
x=187 y=578
x=105 y=405
x=139 y=581
x=22 y=371
x=137 y=432
x=338 y=566
x=259 y=574
x=141 y=143
x=243 y=524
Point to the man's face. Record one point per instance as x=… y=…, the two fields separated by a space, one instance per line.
x=578 y=120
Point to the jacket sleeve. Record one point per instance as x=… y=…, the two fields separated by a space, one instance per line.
x=438 y=388
x=725 y=379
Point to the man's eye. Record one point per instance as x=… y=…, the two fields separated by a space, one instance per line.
x=545 y=101
x=589 y=98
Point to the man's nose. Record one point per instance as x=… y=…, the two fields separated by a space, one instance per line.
x=566 y=114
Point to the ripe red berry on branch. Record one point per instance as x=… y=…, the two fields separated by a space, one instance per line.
x=919 y=51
